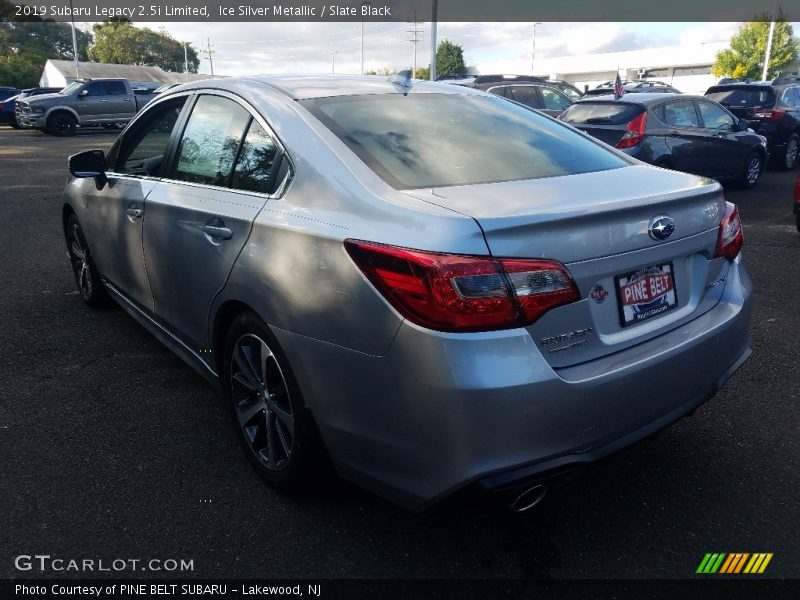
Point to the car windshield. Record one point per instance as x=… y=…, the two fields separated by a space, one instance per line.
x=742 y=96
x=434 y=140
x=71 y=87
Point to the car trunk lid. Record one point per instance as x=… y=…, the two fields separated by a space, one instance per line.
x=603 y=119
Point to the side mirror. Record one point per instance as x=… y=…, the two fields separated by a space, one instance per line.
x=91 y=163
x=742 y=125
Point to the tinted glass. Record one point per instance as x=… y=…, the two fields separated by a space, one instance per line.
x=211 y=140
x=255 y=162
x=431 y=140
x=525 y=94
x=714 y=117
x=141 y=150
x=573 y=95
x=115 y=88
x=501 y=91
x=553 y=99
x=680 y=114
x=95 y=89
x=742 y=96
x=601 y=113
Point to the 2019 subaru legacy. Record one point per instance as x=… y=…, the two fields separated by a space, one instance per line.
x=439 y=290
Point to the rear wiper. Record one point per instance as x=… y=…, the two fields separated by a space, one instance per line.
x=599 y=121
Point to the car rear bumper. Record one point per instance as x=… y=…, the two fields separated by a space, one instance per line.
x=439 y=412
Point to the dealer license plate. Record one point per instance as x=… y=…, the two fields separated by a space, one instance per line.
x=646 y=293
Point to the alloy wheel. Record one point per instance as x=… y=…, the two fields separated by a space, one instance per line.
x=79 y=257
x=791 y=152
x=753 y=170
x=261 y=399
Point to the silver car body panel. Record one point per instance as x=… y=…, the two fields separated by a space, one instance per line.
x=411 y=413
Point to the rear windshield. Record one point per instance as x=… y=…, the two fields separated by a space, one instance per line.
x=433 y=140
x=601 y=113
x=744 y=96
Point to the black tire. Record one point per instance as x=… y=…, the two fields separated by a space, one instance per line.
x=276 y=430
x=789 y=158
x=797 y=221
x=61 y=125
x=87 y=278
x=753 y=167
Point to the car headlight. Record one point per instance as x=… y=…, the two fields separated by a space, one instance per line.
x=37 y=109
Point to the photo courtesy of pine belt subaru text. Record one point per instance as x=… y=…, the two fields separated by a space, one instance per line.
x=427 y=287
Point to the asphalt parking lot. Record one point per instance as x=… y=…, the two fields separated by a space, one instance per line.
x=113 y=448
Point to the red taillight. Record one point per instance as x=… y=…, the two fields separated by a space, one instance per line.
x=769 y=114
x=451 y=292
x=2 y=106
x=730 y=240
x=634 y=132
x=797 y=190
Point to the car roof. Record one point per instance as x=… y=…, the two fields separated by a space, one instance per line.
x=635 y=98
x=304 y=87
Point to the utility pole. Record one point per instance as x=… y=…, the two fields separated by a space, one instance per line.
x=769 y=50
x=333 y=61
x=74 y=40
x=433 y=39
x=209 y=51
x=414 y=40
x=186 y=62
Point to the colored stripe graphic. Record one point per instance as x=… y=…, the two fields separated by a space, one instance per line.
x=734 y=563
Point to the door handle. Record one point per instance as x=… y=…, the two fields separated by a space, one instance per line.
x=127 y=99
x=104 y=100
x=217 y=232
x=136 y=213
x=673 y=134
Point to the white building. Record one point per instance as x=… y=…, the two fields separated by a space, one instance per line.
x=687 y=68
x=59 y=73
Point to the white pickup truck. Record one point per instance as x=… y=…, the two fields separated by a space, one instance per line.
x=84 y=103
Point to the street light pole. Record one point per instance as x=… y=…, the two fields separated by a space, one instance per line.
x=333 y=61
x=433 y=39
x=533 y=45
x=74 y=40
x=769 y=50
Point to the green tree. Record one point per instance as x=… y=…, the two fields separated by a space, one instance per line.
x=450 y=59
x=119 y=42
x=745 y=57
x=25 y=46
x=423 y=73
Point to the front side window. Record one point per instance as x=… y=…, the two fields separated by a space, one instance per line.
x=97 y=88
x=141 y=150
x=681 y=114
x=434 y=140
x=714 y=117
x=553 y=99
x=211 y=141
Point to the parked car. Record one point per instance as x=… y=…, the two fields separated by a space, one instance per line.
x=85 y=103
x=686 y=133
x=633 y=87
x=7 y=111
x=484 y=82
x=7 y=92
x=440 y=290
x=773 y=110
x=27 y=93
x=540 y=96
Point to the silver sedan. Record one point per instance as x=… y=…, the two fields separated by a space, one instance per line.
x=431 y=289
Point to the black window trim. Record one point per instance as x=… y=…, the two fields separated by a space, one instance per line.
x=278 y=188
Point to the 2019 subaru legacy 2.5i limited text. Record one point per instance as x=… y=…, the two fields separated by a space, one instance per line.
x=437 y=289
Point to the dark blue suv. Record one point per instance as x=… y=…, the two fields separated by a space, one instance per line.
x=675 y=131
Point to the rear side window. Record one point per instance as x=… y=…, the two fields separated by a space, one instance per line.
x=211 y=141
x=433 y=140
x=601 y=113
x=256 y=160
x=525 y=94
x=681 y=114
x=742 y=96
x=116 y=88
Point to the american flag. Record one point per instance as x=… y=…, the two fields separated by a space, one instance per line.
x=618 y=89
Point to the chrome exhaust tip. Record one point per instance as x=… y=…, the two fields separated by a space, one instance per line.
x=529 y=498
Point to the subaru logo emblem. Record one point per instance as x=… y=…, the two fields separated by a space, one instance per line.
x=660 y=228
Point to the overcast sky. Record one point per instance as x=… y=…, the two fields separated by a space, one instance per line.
x=257 y=48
